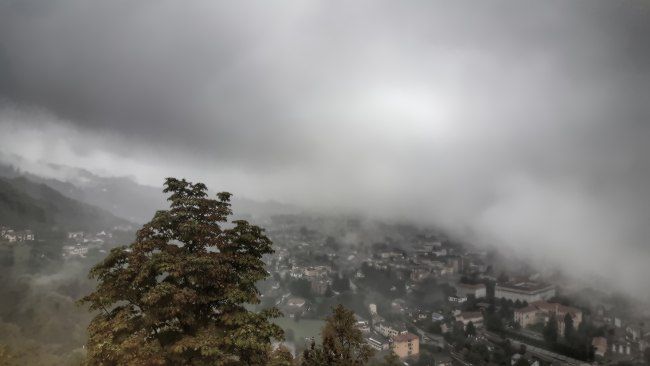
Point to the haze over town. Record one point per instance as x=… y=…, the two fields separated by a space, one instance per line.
x=517 y=124
x=517 y=130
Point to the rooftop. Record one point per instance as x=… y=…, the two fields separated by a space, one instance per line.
x=470 y=315
x=405 y=337
x=471 y=286
x=524 y=286
x=548 y=307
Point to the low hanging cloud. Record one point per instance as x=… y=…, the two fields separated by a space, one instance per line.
x=519 y=124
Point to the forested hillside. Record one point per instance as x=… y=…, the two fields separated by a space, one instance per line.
x=28 y=205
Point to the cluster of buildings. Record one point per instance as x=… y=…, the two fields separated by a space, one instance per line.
x=451 y=265
x=10 y=235
x=427 y=260
x=318 y=277
x=625 y=338
x=464 y=290
x=79 y=243
x=382 y=335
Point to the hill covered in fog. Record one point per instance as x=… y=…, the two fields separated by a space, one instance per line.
x=25 y=204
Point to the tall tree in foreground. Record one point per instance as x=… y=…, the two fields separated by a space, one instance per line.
x=177 y=295
x=5 y=356
x=343 y=343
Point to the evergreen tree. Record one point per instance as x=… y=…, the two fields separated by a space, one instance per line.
x=470 y=329
x=281 y=357
x=568 y=327
x=177 y=295
x=550 y=330
x=522 y=362
x=5 y=356
x=392 y=359
x=313 y=356
x=343 y=343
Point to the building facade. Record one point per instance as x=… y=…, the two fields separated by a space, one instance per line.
x=541 y=311
x=465 y=290
x=406 y=345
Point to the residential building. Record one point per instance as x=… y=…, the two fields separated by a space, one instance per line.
x=373 y=309
x=319 y=286
x=541 y=311
x=457 y=300
x=76 y=235
x=464 y=290
x=476 y=317
x=295 y=306
x=378 y=342
x=316 y=271
x=296 y=302
x=420 y=273
x=13 y=236
x=388 y=330
x=362 y=324
x=436 y=317
x=600 y=346
x=80 y=251
x=406 y=345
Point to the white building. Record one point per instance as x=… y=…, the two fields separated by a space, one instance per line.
x=524 y=291
x=389 y=330
x=475 y=317
x=373 y=309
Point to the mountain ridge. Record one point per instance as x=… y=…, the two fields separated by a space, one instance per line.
x=122 y=196
x=25 y=204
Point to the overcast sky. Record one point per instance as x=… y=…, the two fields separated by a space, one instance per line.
x=518 y=123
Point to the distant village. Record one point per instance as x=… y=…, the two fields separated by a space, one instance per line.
x=77 y=244
x=428 y=299
x=477 y=309
x=10 y=235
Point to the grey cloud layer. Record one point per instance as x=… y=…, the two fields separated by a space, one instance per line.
x=523 y=123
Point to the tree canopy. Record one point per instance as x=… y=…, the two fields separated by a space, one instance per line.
x=550 y=330
x=177 y=294
x=343 y=343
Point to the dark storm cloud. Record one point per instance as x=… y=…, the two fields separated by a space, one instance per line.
x=229 y=78
x=518 y=123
